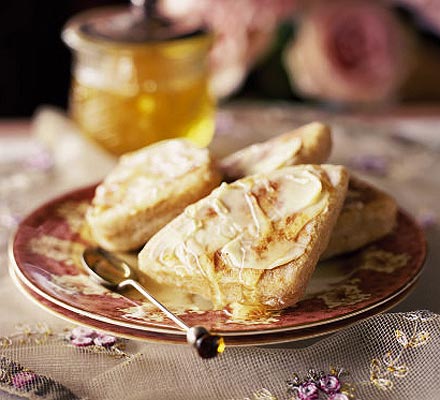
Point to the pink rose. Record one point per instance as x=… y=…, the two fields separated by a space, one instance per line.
x=243 y=30
x=308 y=391
x=329 y=384
x=349 y=51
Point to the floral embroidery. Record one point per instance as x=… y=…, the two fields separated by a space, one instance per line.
x=25 y=334
x=347 y=293
x=16 y=379
x=79 y=337
x=382 y=371
x=383 y=261
x=319 y=385
x=22 y=379
x=314 y=386
x=86 y=337
x=97 y=342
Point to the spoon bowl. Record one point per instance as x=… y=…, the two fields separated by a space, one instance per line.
x=106 y=269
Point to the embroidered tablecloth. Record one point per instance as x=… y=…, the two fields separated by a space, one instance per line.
x=389 y=356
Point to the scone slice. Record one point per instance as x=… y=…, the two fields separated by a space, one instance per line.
x=367 y=215
x=308 y=144
x=146 y=190
x=251 y=245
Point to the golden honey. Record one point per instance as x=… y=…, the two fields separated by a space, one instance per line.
x=127 y=95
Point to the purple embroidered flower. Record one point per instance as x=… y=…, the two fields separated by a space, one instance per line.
x=86 y=337
x=339 y=396
x=104 y=340
x=329 y=384
x=22 y=379
x=371 y=163
x=308 y=391
x=81 y=332
x=82 y=341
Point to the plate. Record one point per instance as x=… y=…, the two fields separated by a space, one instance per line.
x=257 y=339
x=45 y=255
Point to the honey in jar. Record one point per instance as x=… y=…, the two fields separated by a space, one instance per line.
x=133 y=87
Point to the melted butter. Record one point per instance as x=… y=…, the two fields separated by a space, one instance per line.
x=301 y=194
x=141 y=178
x=251 y=314
x=219 y=207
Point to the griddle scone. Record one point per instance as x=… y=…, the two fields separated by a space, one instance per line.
x=251 y=245
x=308 y=144
x=146 y=190
x=367 y=215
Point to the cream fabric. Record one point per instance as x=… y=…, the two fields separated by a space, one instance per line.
x=407 y=169
x=175 y=372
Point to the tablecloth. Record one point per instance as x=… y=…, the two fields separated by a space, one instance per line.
x=390 y=356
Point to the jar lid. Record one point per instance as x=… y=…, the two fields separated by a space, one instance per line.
x=123 y=25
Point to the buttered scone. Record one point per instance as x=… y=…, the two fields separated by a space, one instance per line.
x=146 y=190
x=308 y=144
x=251 y=245
x=367 y=215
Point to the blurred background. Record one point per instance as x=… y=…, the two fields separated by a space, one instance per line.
x=339 y=53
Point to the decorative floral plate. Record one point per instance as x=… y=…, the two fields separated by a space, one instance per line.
x=45 y=256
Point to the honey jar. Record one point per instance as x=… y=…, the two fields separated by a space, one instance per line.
x=137 y=81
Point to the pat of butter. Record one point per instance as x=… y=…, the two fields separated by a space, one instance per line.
x=252 y=223
x=299 y=193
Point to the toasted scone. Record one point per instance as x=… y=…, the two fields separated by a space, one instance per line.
x=251 y=245
x=308 y=144
x=146 y=190
x=367 y=215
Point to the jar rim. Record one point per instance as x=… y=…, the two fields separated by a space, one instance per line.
x=75 y=33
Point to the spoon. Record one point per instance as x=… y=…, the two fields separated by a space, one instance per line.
x=113 y=273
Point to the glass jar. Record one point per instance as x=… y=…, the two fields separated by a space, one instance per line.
x=129 y=91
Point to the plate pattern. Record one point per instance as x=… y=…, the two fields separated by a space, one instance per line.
x=45 y=257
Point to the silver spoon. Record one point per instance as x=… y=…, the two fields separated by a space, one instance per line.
x=113 y=273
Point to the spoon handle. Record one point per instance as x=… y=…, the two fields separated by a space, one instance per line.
x=158 y=304
x=207 y=345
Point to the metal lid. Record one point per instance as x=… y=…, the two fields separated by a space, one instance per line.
x=123 y=26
